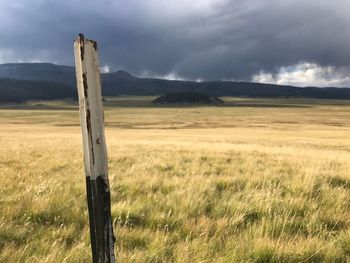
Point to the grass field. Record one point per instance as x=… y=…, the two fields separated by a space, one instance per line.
x=257 y=180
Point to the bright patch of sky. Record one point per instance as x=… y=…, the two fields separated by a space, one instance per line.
x=306 y=74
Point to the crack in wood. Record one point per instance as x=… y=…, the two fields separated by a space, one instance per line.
x=85 y=86
x=82 y=46
x=89 y=130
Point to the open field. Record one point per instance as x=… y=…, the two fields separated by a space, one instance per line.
x=258 y=180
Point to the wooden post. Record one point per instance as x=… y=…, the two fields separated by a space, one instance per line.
x=95 y=152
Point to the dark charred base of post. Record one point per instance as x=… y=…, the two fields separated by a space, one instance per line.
x=101 y=227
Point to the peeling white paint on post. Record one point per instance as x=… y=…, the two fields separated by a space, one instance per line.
x=95 y=152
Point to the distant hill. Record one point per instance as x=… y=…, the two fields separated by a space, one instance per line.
x=13 y=90
x=187 y=98
x=123 y=83
x=38 y=71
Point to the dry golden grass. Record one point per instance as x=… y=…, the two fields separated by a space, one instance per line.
x=258 y=181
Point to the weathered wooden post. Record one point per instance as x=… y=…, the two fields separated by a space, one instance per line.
x=95 y=152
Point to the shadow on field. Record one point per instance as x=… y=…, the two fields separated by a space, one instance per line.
x=146 y=102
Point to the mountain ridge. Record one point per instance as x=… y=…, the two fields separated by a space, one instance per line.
x=124 y=83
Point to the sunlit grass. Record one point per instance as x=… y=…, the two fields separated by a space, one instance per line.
x=259 y=181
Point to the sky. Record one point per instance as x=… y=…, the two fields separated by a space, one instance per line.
x=294 y=42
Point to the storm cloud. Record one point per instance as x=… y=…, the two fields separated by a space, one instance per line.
x=282 y=41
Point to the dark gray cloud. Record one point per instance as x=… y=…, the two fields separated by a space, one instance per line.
x=202 y=39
